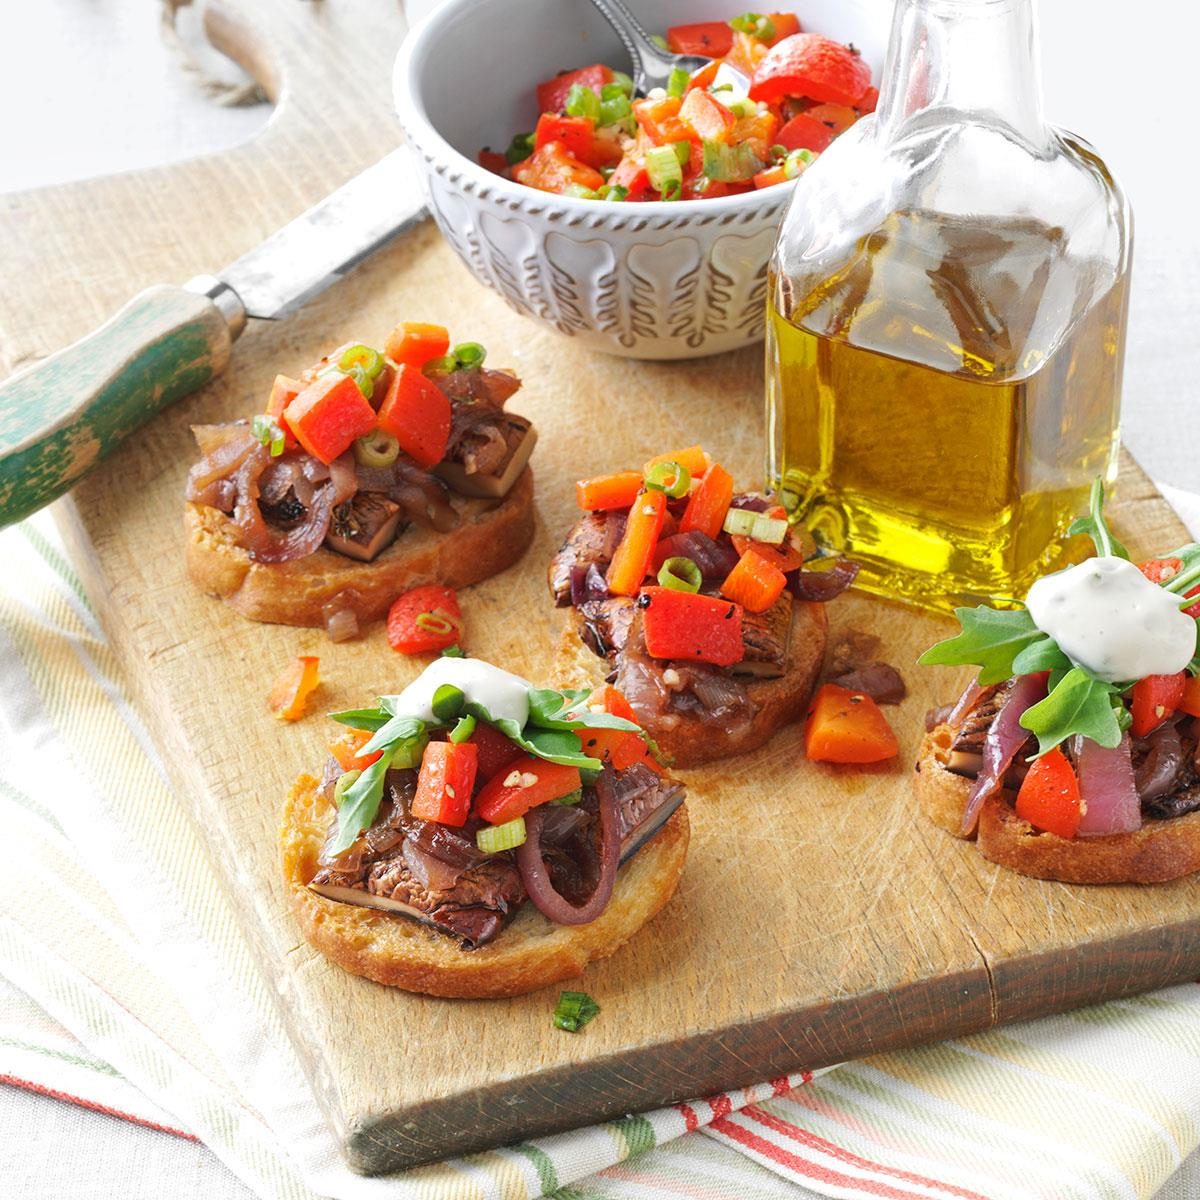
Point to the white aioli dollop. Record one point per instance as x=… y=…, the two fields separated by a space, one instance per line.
x=1107 y=616
x=503 y=694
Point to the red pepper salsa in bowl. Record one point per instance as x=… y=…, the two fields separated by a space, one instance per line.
x=700 y=137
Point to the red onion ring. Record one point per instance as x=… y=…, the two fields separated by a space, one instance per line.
x=548 y=900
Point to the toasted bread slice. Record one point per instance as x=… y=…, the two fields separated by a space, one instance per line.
x=691 y=741
x=491 y=536
x=530 y=953
x=1161 y=850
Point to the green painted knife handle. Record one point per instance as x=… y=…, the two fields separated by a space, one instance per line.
x=63 y=415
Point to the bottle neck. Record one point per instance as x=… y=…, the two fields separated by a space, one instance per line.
x=973 y=59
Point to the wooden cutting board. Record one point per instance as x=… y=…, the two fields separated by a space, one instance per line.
x=818 y=919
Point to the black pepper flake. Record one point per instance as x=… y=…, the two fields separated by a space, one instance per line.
x=729 y=614
x=643 y=600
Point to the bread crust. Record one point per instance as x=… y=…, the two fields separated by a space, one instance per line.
x=1163 y=849
x=531 y=952
x=491 y=537
x=777 y=702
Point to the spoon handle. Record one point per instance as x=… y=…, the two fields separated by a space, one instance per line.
x=635 y=39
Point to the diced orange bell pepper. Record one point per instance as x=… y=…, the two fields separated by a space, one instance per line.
x=688 y=625
x=755 y=583
x=346 y=744
x=1049 y=795
x=784 y=557
x=608 y=491
x=704 y=77
x=524 y=784
x=746 y=52
x=552 y=93
x=416 y=343
x=622 y=748
x=416 y=412
x=445 y=783
x=660 y=120
x=552 y=169
x=713 y=39
x=707 y=119
x=614 y=702
x=328 y=415
x=757 y=131
x=283 y=391
x=1189 y=702
x=292 y=689
x=785 y=25
x=847 y=727
x=632 y=558
x=1154 y=699
x=692 y=458
x=709 y=502
x=837 y=118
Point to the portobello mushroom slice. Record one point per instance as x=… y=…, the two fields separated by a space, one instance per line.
x=766 y=636
x=521 y=437
x=364 y=526
x=585 y=544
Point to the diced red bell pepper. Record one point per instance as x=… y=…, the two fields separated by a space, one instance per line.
x=642 y=531
x=622 y=747
x=807 y=64
x=660 y=120
x=706 y=119
x=1159 y=570
x=1189 y=702
x=416 y=343
x=575 y=133
x=416 y=412
x=552 y=169
x=346 y=744
x=870 y=98
x=496 y=751
x=524 y=784
x=614 y=702
x=552 y=93
x=283 y=391
x=490 y=160
x=713 y=39
x=328 y=415
x=1154 y=699
x=445 y=783
x=847 y=727
x=424 y=619
x=802 y=132
x=704 y=77
x=835 y=117
x=785 y=557
x=631 y=174
x=687 y=625
x=1049 y=795
x=289 y=696
x=708 y=503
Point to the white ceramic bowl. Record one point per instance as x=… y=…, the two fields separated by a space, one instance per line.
x=662 y=280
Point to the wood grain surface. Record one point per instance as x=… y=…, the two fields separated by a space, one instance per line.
x=818 y=918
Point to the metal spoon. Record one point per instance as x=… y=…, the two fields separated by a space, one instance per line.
x=652 y=67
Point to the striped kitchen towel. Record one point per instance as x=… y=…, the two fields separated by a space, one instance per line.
x=131 y=988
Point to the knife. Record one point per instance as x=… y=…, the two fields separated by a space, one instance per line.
x=64 y=414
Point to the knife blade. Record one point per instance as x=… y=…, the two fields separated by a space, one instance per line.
x=63 y=415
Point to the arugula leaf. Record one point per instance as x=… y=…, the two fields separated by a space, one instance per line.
x=554 y=745
x=1095 y=526
x=1080 y=704
x=398 y=729
x=360 y=805
x=990 y=638
x=361 y=718
x=1042 y=655
x=565 y=710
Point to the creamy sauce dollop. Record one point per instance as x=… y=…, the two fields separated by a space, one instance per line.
x=1107 y=616
x=503 y=694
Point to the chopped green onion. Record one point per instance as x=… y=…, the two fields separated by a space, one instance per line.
x=797 y=163
x=469 y=355
x=454 y=651
x=730 y=164
x=582 y=102
x=344 y=783
x=362 y=380
x=376 y=449
x=464 y=729
x=683 y=152
x=612 y=191
x=407 y=753
x=579 y=192
x=716 y=88
x=441 y=366
x=660 y=41
x=756 y=24
x=371 y=361
x=768 y=529
x=519 y=149
x=663 y=168
x=491 y=839
x=436 y=624
x=677 y=81
x=669 y=477
x=778 y=151
x=621 y=80
x=739 y=522
x=448 y=701
x=741 y=106
x=613 y=112
x=574 y=1010
x=680 y=575
x=570 y=798
x=267 y=430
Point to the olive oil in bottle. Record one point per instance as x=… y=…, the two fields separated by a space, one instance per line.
x=944 y=357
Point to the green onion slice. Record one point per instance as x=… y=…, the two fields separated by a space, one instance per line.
x=623 y=81
x=267 y=430
x=579 y=192
x=469 y=355
x=448 y=701
x=612 y=191
x=739 y=522
x=730 y=164
x=663 y=168
x=683 y=152
x=680 y=574
x=455 y=651
x=797 y=162
x=344 y=783
x=441 y=366
x=669 y=477
x=370 y=360
x=491 y=839
x=768 y=529
x=777 y=151
x=463 y=730
x=376 y=449
x=614 y=111
x=756 y=24
x=677 y=81
x=519 y=149
x=582 y=102
x=408 y=752
x=435 y=623
x=574 y=1010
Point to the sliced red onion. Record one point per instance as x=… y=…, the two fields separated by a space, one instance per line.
x=226 y=458
x=879 y=680
x=210 y=438
x=482 y=385
x=341 y=625
x=261 y=542
x=822 y=586
x=1159 y=770
x=221 y=494
x=587 y=583
x=536 y=878
x=750 y=502
x=614 y=531
x=344 y=474
x=1005 y=736
x=1107 y=789
x=715 y=559
x=973 y=695
x=429 y=870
